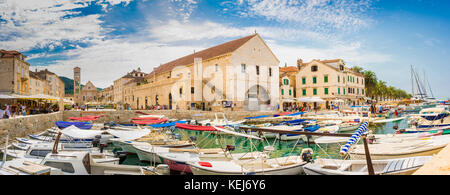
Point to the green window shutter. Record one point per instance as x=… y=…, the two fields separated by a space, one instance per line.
x=326 y=91
x=325 y=79
x=304 y=92
x=363 y=91
x=304 y=80
x=315 y=91
x=282 y=91
x=287 y=82
x=344 y=91
x=339 y=91
x=314 y=80
x=290 y=92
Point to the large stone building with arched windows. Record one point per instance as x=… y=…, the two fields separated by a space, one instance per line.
x=241 y=74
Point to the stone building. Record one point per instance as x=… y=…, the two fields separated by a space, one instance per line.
x=119 y=85
x=330 y=80
x=55 y=84
x=14 y=73
x=38 y=85
x=241 y=74
x=77 y=86
x=106 y=95
x=89 y=94
x=288 y=91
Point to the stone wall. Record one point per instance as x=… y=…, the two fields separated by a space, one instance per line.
x=22 y=126
x=124 y=116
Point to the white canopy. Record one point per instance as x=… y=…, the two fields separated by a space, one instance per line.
x=330 y=140
x=235 y=133
x=129 y=135
x=75 y=132
x=337 y=101
x=4 y=96
x=311 y=100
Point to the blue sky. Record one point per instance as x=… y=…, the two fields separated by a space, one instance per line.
x=108 y=38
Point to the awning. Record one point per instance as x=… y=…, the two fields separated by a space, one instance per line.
x=4 y=96
x=288 y=100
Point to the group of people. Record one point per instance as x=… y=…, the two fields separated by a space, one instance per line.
x=83 y=107
x=13 y=110
x=9 y=111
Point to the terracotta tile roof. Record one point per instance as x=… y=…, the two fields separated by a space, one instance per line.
x=204 y=54
x=289 y=69
x=8 y=54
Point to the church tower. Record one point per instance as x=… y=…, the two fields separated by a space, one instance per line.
x=77 y=85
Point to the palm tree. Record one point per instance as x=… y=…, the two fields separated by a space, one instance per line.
x=370 y=82
x=357 y=69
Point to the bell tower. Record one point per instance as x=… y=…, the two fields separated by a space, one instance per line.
x=77 y=85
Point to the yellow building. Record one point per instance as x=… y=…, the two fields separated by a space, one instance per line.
x=288 y=91
x=14 y=73
x=330 y=80
x=106 y=95
x=38 y=85
x=241 y=74
x=119 y=86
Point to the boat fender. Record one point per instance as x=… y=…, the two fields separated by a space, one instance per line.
x=205 y=164
x=306 y=155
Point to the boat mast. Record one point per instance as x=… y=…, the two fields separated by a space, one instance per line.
x=412 y=82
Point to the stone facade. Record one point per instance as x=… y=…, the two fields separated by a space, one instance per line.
x=241 y=75
x=14 y=73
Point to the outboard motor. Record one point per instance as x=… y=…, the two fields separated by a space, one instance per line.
x=193 y=138
x=96 y=141
x=371 y=139
x=102 y=146
x=307 y=155
x=395 y=127
x=230 y=148
x=122 y=155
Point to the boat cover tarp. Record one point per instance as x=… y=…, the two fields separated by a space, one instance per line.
x=75 y=132
x=81 y=125
x=195 y=127
x=86 y=118
x=295 y=122
x=167 y=124
x=145 y=118
x=312 y=128
x=129 y=135
x=146 y=122
x=296 y=114
x=227 y=130
x=258 y=117
x=282 y=114
x=436 y=117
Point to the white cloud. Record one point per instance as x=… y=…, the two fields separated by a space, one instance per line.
x=320 y=15
x=108 y=60
x=31 y=23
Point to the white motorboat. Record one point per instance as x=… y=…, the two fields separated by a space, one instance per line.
x=290 y=165
x=402 y=166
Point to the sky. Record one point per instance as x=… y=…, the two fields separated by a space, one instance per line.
x=108 y=38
